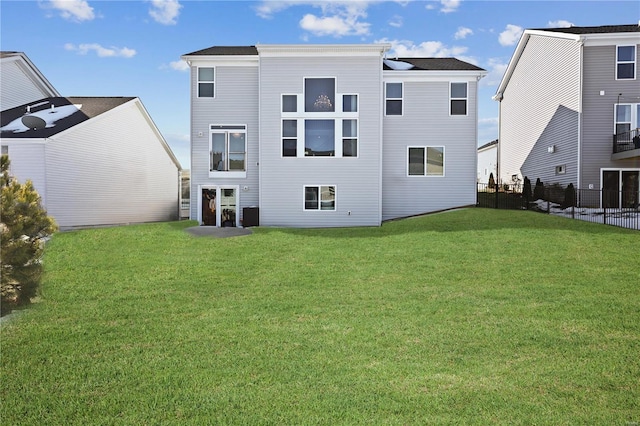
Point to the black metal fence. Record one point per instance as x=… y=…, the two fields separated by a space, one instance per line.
x=618 y=208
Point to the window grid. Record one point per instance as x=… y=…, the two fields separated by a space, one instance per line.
x=228 y=148
x=626 y=62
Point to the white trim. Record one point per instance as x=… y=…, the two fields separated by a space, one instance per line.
x=226 y=129
x=218 y=189
x=634 y=62
x=466 y=99
x=401 y=98
x=215 y=72
x=319 y=209
x=426 y=175
x=432 y=76
x=301 y=50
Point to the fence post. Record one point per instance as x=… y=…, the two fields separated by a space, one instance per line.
x=497 y=190
x=604 y=211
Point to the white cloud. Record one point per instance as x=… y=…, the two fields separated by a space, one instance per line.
x=333 y=25
x=102 y=52
x=449 y=6
x=165 y=11
x=496 y=69
x=463 y=32
x=179 y=65
x=510 y=35
x=559 y=24
x=426 y=49
x=396 y=21
x=72 y=10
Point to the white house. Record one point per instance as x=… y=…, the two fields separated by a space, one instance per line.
x=94 y=160
x=570 y=110
x=329 y=135
x=487 y=161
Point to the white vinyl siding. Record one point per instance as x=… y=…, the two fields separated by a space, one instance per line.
x=236 y=102
x=283 y=178
x=123 y=175
x=17 y=86
x=540 y=110
x=427 y=122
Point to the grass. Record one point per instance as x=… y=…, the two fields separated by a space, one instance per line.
x=468 y=317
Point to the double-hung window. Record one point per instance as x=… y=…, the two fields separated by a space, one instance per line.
x=206 y=82
x=393 y=99
x=627 y=118
x=458 y=99
x=319 y=197
x=626 y=62
x=320 y=122
x=228 y=148
x=425 y=161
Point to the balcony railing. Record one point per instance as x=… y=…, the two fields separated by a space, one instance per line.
x=626 y=141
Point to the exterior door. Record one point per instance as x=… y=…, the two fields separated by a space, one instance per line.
x=228 y=204
x=630 y=190
x=209 y=210
x=219 y=206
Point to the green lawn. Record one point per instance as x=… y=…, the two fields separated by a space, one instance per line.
x=468 y=317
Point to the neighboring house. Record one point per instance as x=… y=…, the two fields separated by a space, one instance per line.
x=570 y=109
x=21 y=81
x=329 y=135
x=487 y=161
x=94 y=160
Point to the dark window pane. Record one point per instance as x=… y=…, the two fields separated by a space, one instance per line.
x=289 y=128
x=289 y=103
x=394 y=107
x=206 y=74
x=626 y=70
x=435 y=161
x=626 y=53
x=350 y=148
x=311 y=198
x=458 y=107
x=319 y=138
x=319 y=95
x=328 y=198
x=416 y=161
x=289 y=148
x=458 y=90
x=350 y=103
x=205 y=90
x=349 y=128
x=236 y=161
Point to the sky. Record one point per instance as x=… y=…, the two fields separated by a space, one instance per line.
x=133 y=47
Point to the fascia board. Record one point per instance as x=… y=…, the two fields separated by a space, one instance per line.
x=306 y=50
x=23 y=141
x=426 y=76
x=219 y=60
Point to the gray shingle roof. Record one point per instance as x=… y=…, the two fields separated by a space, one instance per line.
x=437 y=64
x=603 y=29
x=91 y=107
x=226 y=50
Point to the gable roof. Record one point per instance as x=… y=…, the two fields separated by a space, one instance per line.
x=609 y=34
x=28 y=67
x=488 y=144
x=419 y=64
x=50 y=116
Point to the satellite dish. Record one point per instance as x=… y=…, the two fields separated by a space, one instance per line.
x=33 y=122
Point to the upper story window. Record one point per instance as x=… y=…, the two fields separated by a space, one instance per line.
x=458 y=99
x=626 y=62
x=425 y=161
x=206 y=82
x=627 y=118
x=228 y=148
x=393 y=99
x=319 y=122
x=319 y=95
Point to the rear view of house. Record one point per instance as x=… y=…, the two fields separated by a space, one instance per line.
x=328 y=135
x=94 y=160
x=570 y=110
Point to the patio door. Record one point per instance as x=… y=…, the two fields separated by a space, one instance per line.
x=620 y=188
x=218 y=206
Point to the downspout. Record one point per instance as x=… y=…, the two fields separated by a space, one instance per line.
x=580 y=109
x=381 y=132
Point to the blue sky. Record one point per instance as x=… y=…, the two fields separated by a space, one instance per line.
x=133 y=48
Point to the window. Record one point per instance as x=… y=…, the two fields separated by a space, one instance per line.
x=349 y=103
x=623 y=119
x=289 y=138
x=426 y=161
x=206 y=82
x=228 y=148
x=393 y=100
x=289 y=103
x=561 y=170
x=319 y=94
x=626 y=62
x=458 y=105
x=349 y=138
x=319 y=138
x=5 y=150
x=320 y=198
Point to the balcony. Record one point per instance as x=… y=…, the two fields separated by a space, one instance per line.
x=626 y=145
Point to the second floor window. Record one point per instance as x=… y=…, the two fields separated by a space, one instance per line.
x=206 y=82
x=393 y=99
x=627 y=118
x=228 y=148
x=458 y=99
x=626 y=63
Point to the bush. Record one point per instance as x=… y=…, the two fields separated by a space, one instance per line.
x=23 y=230
x=569 y=196
x=538 y=191
x=492 y=181
x=526 y=189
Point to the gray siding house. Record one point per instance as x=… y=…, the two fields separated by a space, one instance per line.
x=570 y=110
x=328 y=135
x=93 y=160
